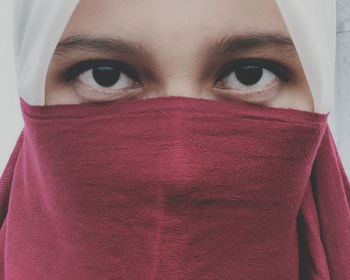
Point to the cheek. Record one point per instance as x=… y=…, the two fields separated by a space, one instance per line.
x=297 y=97
x=296 y=94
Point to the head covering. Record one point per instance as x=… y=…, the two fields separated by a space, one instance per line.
x=174 y=187
x=312 y=26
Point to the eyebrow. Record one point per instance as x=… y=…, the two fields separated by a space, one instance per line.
x=99 y=44
x=225 y=46
x=233 y=44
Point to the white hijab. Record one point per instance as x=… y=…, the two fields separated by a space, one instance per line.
x=38 y=25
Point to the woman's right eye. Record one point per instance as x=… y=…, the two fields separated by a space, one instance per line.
x=106 y=77
x=101 y=78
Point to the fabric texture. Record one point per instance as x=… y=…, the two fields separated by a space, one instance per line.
x=174 y=188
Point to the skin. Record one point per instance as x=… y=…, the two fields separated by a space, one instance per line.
x=176 y=59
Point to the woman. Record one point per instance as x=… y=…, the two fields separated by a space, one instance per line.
x=175 y=140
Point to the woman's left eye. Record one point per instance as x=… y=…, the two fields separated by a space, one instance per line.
x=252 y=77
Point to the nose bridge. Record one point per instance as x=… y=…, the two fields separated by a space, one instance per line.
x=177 y=65
x=179 y=72
x=185 y=85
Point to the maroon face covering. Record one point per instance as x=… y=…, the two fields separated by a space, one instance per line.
x=174 y=188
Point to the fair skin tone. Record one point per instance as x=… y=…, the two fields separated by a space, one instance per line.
x=134 y=49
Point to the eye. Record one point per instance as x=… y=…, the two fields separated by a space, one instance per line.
x=101 y=78
x=105 y=77
x=252 y=77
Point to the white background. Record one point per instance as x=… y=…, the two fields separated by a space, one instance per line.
x=11 y=122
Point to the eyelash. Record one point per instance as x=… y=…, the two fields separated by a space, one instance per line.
x=79 y=68
x=276 y=68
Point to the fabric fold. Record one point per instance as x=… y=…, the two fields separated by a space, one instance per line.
x=174 y=188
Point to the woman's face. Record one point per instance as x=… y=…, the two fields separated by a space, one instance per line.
x=212 y=49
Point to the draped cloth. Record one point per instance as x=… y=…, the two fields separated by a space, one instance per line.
x=174 y=188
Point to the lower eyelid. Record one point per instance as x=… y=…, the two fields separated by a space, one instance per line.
x=266 y=93
x=100 y=93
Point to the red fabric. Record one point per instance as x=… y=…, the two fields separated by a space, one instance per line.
x=174 y=188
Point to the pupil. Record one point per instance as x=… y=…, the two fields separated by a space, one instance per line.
x=106 y=76
x=249 y=75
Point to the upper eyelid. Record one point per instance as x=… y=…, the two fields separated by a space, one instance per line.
x=86 y=65
x=271 y=65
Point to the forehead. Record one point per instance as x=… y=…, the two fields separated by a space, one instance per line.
x=185 y=21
